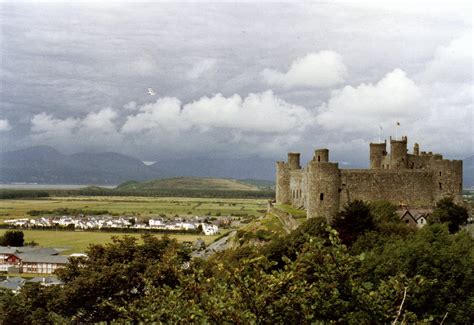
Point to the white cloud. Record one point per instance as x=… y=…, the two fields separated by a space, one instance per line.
x=367 y=106
x=164 y=114
x=5 y=125
x=261 y=113
x=101 y=121
x=322 y=69
x=45 y=123
x=95 y=129
x=200 y=68
x=451 y=63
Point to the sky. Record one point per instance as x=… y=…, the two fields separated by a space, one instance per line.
x=236 y=79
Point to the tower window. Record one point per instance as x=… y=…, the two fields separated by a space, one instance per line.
x=439 y=173
x=321 y=196
x=412 y=165
x=319 y=158
x=440 y=186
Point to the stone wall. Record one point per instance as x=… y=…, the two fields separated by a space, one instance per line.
x=296 y=187
x=410 y=187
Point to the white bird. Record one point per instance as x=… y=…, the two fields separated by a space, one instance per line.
x=151 y=92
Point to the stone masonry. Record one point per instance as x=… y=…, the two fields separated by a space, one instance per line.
x=415 y=180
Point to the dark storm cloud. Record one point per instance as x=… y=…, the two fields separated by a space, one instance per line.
x=69 y=72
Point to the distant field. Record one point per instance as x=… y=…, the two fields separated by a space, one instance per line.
x=78 y=241
x=144 y=206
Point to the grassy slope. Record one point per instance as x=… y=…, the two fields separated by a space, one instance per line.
x=190 y=183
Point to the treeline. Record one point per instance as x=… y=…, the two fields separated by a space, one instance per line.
x=22 y=194
x=17 y=194
x=383 y=272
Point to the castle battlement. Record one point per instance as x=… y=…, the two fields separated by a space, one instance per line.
x=322 y=188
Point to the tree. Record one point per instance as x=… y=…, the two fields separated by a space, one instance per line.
x=353 y=221
x=12 y=238
x=453 y=214
x=445 y=261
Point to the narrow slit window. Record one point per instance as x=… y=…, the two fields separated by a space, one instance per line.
x=439 y=173
x=321 y=196
x=319 y=158
x=440 y=186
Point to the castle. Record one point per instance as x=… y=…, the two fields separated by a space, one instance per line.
x=322 y=188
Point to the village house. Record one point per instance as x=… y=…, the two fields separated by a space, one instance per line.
x=416 y=218
x=31 y=259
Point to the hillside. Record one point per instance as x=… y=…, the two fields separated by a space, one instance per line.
x=191 y=183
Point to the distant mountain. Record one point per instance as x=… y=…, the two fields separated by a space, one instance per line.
x=468 y=172
x=45 y=165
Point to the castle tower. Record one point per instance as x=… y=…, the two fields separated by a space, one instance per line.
x=283 y=192
x=398 y=153
x=416 y=149
x=321 y=155
x=294 y=160
x=322 y=189
x=377 y=152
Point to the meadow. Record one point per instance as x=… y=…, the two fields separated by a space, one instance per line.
x=132 y=205
x=78 y=241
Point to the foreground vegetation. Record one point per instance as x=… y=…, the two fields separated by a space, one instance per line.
x=385 y=273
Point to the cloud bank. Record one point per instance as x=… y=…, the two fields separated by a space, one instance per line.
x=322 y=69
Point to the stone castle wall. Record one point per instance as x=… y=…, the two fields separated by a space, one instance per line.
x=410 y=187
x=416 y=180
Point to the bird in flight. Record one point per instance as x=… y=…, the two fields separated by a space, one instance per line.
x=151 y=92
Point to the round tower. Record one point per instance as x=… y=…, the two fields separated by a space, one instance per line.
x=294 y=160
x=398 y=153
x=283 y=193
x=321 y=155
x=416 y=149
x=377 y=152
x=323 y=189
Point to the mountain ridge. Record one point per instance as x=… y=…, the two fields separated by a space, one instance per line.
x=46 y=165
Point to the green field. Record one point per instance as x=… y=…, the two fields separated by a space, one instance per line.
x=78 y=241
x=143 y=206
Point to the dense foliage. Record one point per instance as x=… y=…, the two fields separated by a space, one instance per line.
x=447 y=211
x=390 y=272
x=13 y=238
